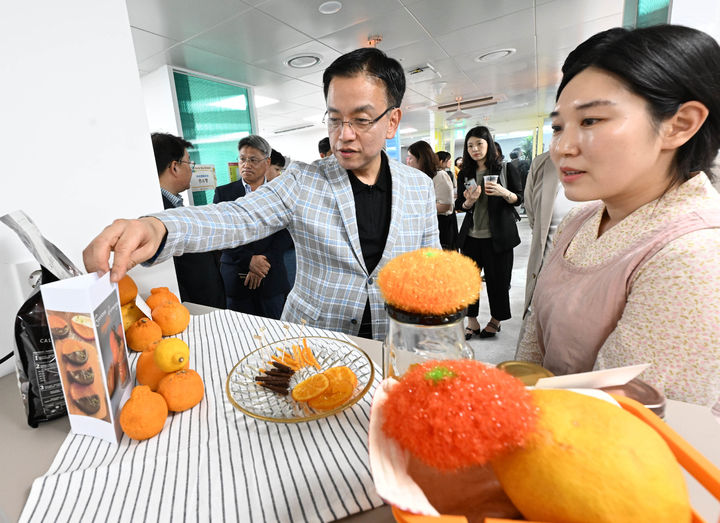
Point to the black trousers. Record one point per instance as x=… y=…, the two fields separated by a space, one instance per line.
x=447 y=226
x=498 y=271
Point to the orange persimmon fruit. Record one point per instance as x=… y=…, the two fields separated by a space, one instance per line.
x=142 y=333
x=173 y=318
x=127 y=290
x=182 y=390
x=144 y=414
x=160 y=296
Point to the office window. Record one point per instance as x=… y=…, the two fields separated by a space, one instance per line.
x=644 y=13
x=214 y=117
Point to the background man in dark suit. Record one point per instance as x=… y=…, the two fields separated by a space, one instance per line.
x=256 y=280
x=198 y=274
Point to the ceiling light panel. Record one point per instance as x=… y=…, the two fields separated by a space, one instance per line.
x=330 y=8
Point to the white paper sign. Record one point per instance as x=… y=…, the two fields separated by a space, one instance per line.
x=593 y=380
x=86 y=328
x=203 y=178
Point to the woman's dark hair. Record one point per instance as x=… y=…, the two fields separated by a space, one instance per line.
x=667 y=65
x=168 y=148
x=427 y=161
x=443 y=156
x=499 y=151
x=372 y=62
x=276 y=158
x=492 y=160
x=457 y=160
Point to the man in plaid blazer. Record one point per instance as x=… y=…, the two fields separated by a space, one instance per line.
x=348 y=214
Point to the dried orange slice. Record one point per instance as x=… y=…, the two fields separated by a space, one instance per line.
x=334 y=396
x=83 y=327
x=311 y=387
x=341 y=373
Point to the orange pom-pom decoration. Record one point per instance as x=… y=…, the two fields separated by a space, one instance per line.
x=430 y=281
x=457 y=413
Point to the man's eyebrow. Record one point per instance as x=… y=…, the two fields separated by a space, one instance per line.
x=361 y=109
x=587 y=105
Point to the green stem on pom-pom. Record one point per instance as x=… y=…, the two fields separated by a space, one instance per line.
x=439 y=373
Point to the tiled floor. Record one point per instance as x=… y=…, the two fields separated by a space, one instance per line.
x=502 y=346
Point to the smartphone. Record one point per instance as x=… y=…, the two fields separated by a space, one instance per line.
x=470 y=184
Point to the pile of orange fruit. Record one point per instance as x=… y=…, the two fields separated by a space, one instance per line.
x=165 y=381
x=326 y=390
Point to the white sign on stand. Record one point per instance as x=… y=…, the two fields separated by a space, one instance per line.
x=203 y=179
x=87 y=333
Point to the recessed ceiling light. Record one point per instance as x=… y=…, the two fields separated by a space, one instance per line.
x=498 y=54
x=303 y=61
x=330 y=8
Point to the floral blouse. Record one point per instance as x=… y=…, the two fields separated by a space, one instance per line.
x=672 y=315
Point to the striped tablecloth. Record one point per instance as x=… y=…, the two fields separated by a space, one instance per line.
x=212 y=462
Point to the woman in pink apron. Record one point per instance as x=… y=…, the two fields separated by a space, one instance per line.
x=635 y=278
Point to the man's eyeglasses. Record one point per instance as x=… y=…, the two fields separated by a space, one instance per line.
x=251 y=160
x=190 y=163
x=357 y=124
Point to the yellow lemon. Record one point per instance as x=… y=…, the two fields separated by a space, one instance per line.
x=171 y=354
x=590 y=461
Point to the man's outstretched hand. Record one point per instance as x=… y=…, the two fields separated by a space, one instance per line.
x=132 y=241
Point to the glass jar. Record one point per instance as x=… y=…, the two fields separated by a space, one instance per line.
x=413 y=338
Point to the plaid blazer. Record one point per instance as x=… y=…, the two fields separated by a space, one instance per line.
x=315 y=203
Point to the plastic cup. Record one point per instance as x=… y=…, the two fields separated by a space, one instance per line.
x=490 y=178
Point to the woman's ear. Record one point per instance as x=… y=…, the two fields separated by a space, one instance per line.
x=683 y=125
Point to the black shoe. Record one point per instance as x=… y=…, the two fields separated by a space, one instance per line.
x=489 y=334
x=469 y=333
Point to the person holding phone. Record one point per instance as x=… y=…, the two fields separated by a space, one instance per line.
x=489 y=232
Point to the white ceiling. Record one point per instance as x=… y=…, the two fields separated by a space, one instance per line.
x=249 y=41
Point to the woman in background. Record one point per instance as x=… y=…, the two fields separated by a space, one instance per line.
x=445 y=162
x=489 y=232
x=635 y=278
x=421 y=156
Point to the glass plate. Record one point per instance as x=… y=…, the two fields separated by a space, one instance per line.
x=256 y=401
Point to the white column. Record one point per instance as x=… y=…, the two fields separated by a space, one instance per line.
x=159 y=98
x=76 y=151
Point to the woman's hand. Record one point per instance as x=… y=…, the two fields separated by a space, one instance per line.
x=495 y=189
x=471 y=196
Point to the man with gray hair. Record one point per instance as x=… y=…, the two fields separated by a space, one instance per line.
x=254 y=274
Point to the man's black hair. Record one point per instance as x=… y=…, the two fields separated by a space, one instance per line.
x=168 y=148
x=277 y=158
x=372 y=62
x=324 y=145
